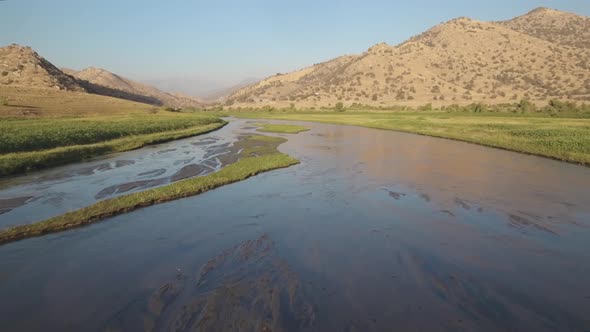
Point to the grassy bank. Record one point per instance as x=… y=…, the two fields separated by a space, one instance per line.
x=565 y=139
x=255 y=160
x=280 y=128
x=29 y=144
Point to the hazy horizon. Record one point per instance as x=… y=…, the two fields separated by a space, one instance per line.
x=219 y=45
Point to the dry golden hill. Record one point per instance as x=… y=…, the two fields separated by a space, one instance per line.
x=554 y=26
x=21 y=66
x=103 y=82
x=460 y=61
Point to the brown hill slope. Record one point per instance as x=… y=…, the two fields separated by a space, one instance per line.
x=554 y=26
x=103 y=82
x=460 y=61
x=21 y=66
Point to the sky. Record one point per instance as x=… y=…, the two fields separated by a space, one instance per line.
x=224 y=41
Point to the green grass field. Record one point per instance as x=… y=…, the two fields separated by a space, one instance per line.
x=280 y=128
x=566 y=138
x=20 y=135
x=259 y=155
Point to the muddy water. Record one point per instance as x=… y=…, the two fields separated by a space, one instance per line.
x=374 y=230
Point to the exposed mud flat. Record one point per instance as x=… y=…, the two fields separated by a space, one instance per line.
x=155 y=172
x=190 y=171
x=245 y=288
x=7 y=205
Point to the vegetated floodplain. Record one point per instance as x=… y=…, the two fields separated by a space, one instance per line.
x=35 y=143
x=548 y=133
x=258 y=154
x=280 y=128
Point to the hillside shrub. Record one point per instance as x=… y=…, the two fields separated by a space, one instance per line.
x=268 y=108
x=526 y=106
x=425 y=108
x=560 y=106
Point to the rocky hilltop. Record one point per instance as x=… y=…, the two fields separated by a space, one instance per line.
x=22 y=66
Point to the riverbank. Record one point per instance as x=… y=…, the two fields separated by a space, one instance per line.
x=566 y=139
x=280 y=128
x=33 y=144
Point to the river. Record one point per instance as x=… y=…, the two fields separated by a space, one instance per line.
x=374 y=231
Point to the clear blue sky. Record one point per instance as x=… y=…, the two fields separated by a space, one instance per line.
x=229 y=40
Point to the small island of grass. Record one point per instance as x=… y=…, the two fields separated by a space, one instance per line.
x=280 y=128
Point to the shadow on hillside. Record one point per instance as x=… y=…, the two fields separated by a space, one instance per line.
x=106 y=91
x=21 y=106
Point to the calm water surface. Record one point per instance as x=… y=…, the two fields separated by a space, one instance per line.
x=373 y=231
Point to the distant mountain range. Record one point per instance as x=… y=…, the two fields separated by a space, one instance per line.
x=543 y=54
x=537 y=56
x=210 y=90
x=221 y=95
